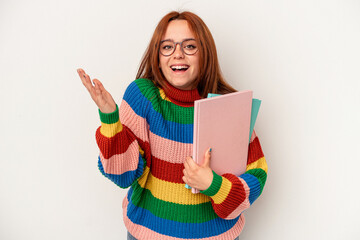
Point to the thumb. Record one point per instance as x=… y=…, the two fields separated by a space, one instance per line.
x=207 y=158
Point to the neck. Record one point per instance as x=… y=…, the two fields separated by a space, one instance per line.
x=181 y=97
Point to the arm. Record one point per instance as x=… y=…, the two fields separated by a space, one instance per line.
x=231 y=195
x=122 y=139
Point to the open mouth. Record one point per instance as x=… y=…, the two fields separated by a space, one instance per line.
x=179 y=68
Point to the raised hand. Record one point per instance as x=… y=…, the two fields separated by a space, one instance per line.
x=101 y=97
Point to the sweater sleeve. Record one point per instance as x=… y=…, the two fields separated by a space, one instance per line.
x=231 y=195
x=123 y=140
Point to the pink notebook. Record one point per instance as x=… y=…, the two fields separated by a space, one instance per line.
x=223 y=123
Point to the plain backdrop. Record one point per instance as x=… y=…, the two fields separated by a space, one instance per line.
x=300 y=57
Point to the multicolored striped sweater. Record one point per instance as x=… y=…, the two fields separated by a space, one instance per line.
x=143 y=145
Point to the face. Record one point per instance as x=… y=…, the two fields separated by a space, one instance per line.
x=179 y=69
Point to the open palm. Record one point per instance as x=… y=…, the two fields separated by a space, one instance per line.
x=101 y=97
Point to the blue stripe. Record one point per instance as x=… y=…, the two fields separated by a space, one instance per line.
x=254 y=186
x=145 y=218
x=127 y=178
x=158 y=125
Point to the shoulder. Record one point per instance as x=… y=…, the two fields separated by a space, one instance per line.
x=141 y=87
x=140 y=94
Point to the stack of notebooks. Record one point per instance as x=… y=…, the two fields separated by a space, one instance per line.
x=224 y=123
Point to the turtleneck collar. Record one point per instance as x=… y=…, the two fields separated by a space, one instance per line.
x=184 y=98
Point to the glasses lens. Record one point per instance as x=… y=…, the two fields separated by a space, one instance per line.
x=167 y=48
x=190 y=47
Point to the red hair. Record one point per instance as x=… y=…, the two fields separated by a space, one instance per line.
x=210 y=79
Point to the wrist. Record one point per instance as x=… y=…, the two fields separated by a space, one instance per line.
x=108 y=109
x=111 y=117
x=215 y=185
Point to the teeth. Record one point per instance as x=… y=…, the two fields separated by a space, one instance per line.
x=179 y=67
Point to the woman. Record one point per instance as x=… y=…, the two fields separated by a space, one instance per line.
x=146 y=143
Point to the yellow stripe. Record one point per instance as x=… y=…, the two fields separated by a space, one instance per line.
x=170 y=192
x=260 y=163
x=141 y=151
x=223 y=192
x=162 y=95
x=110 y=130
x=144 y=176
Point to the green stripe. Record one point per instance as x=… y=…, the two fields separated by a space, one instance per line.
x=260 y=174
x=109 y=118
x=169 y=111
x=171 y=211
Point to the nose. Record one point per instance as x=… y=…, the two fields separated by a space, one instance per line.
x=178 y=53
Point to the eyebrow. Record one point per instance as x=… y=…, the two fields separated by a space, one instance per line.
x=185 y=39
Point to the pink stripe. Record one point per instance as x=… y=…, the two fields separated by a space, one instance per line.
x=175 y=152
x=244 y=205
x=169 y=150
x=120 y=163
x=141 y=232
x=137 y=124
x=253 y=136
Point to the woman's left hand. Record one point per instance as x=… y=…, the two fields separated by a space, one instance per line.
x=198 y=176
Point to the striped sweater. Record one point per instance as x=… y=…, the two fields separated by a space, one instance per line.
x=143 y=145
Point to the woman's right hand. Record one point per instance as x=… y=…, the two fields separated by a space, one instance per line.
x=101 y=97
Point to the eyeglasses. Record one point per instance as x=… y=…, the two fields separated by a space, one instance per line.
x=188 y=46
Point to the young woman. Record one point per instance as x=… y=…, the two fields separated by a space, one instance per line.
x=146 y=143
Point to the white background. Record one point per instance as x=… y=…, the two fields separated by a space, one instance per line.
x=300 y=57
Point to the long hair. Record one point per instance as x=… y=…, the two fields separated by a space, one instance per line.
x=209 y=79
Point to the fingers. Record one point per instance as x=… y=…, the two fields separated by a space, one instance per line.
x=85 y=79
x=186 y=164
x=94 y=87
x=99 y=84
x=198 y=176
x=186 y=170
x=185 y=173
x=191 y=163
x=207 y=157
x=99 y=87
x=185 y=180
x=189 y=168
x=100 y=96
x=96 y=93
